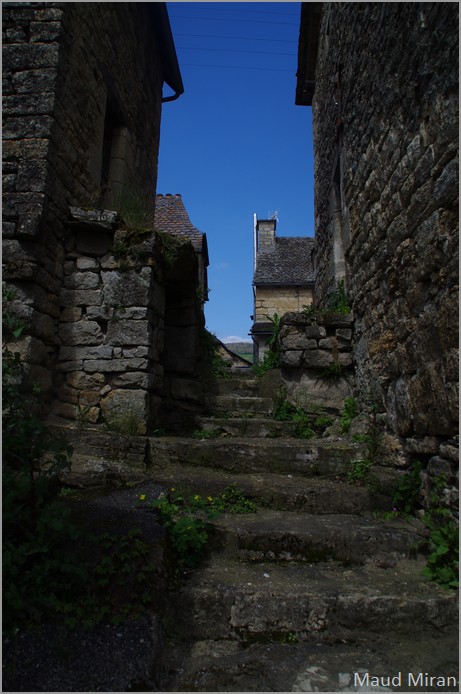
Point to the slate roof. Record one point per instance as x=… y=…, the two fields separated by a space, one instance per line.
x=171 y=217
x=289 y=262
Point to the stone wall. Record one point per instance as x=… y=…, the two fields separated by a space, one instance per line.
x=316 y=358
x=82 y=87
x=280 y=300
x=385 y=113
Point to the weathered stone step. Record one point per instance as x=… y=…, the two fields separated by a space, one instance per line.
x=283 y=492
x=291 y=666
x=296 y=456
x=252 y=427
x=293 y=536
x=316 y=603
x=236 y=385
x=232 y=403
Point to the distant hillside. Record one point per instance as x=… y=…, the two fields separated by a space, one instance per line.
x=243 y=349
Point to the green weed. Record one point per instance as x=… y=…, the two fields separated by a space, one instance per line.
x=348 y=414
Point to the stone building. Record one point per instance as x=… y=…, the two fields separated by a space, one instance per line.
x=283 y=279
x=382 y=79
x=171 y=218
x=83 y=86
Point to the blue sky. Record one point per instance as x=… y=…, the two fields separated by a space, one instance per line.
x=234 y=143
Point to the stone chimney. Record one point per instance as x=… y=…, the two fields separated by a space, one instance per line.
x=265 y=235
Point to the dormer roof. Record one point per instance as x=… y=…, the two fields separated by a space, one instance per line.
x=171 y=218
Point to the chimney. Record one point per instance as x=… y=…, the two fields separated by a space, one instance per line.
x=265 y=234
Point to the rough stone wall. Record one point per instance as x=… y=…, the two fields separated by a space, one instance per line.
x=385 y=113
x=118 y=338
x=280 y=300
x=316 y=358
x=77 y=77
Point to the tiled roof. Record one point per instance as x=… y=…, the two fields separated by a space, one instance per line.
x=171 y=217
x=289 y=262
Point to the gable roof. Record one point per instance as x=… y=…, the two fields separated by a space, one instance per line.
x=288 y=262
x=171 y=218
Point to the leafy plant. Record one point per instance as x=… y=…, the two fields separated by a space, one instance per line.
x=443 y=560
x=186 y=520
x=337 y=300
x=205 y=434
x=359 y=470
x=407 y=491
x=283 y=410
x=348 y=414
x=232 y=500
x=276 y=325
x=271 y=357
x=333 y=371
x=269 y=361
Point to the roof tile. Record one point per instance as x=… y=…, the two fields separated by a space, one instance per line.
x=289 y=262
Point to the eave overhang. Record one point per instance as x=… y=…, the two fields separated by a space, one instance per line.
x=309 y=32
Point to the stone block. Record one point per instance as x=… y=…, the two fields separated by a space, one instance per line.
x=84 y=263
x=83 y=332
x=82 y=280
x=80 y=297
x=24 y=104
x=291 y=359
x=71 y=314
x=89 y=398
x=317 y=359
x=440 y=466
x=80 y=380
x=27 y=127
x=132 y=379
x=115 y=365
x=450 y=451
x=22 y=56
x=142 y=351
x=423 y=445
x=315 y=331
x=33 y=81
x=127 y=289
x=103 y=312
x=128 y=332
x=77 y=353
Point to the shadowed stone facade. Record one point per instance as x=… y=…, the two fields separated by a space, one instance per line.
x=382 y=79
x=82 y=99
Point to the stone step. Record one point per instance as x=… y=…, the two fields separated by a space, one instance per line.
x=283 y=456
x=236 y=385
x=251 y=427
x=289 y=665
x=237 y=404
x=296 y=536
x=321 y=495
x=315 y=603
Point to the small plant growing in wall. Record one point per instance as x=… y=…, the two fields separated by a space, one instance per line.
x=372 y=438
x=337 y=300
x=271 y=358
x=348 y=413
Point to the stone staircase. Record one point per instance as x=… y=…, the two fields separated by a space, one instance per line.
x=311 y=591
